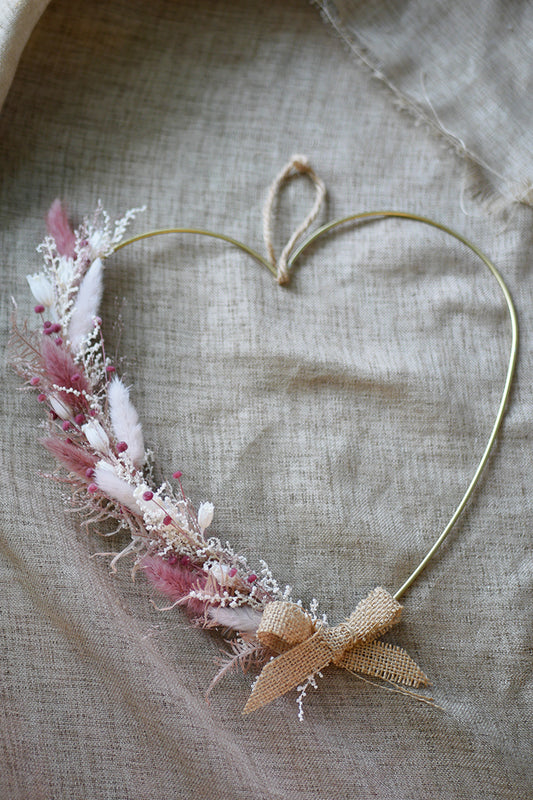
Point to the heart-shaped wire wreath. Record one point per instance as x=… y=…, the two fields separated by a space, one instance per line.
x=94 y=432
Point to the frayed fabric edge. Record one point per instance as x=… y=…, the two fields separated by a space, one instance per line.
x=489 y=199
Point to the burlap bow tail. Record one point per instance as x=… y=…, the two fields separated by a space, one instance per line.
x=306 y=647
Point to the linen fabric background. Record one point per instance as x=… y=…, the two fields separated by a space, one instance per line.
x=334 y=424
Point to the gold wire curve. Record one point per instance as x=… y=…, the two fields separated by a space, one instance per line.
x=427 y=221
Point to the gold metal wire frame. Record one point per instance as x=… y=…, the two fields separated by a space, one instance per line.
x=367 y=215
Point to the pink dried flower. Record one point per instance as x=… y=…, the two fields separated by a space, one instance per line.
x=175 y=581
x=60 y=369
x=74 y=458
x=39 y=309
x=58 y=227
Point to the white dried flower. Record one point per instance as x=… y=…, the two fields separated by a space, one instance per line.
x=41 y=288
x=220 y=573
x=114 y=486
x=205 y=515
x=96 y=436
x=149 y=504
x=61 y=408
x=65 y=271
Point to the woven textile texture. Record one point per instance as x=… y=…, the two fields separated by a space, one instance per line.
x=334 y=423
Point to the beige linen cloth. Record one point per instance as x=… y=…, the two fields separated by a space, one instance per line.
x=334 y=424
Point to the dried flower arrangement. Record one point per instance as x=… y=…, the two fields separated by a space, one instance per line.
x=93 y=430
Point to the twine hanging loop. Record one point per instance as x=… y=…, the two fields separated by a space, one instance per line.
x=298 y=165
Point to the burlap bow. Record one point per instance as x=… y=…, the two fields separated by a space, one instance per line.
x=306 y=647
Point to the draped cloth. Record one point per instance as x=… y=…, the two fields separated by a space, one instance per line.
x=334 y=423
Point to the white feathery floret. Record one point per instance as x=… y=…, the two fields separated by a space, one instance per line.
x=125 y=421
x=241 y=619
x=87 y=305
x=113 y=486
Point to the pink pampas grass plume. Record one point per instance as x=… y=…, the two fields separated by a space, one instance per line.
x=58 y=227
x=175 y=582
x=61 y=370
x=74 y=458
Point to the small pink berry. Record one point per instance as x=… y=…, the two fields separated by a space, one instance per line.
x=122 y=447
x=35 y=381
x=69 y=440
x=110 y=369
x=39 y=309
x=232 y=572
x=92 y=488
x=89 y=472
x=172 y=559
x=185 y=561
x=79 y=419
x=65 y=425
x=167 y=520
x=75 y=378
x=56 y=327
x=47 y=324
x=53 y=414
x=177 y=475
x=93 y=412
x=47 y=331
x=252 y=578
x=148 y=496
x=59 y=341
x=41 y=398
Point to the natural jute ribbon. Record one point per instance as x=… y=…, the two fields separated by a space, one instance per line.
x=307 y=647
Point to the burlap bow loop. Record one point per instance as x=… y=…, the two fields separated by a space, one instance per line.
x=283 y=625
x=307 y=647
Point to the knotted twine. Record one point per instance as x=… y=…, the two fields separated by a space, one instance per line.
x=298 y=165
x=307 y=647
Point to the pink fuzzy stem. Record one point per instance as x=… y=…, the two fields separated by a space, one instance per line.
x=61 y=370
x=58 y=227
x=174 y=581
x=74 y=458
